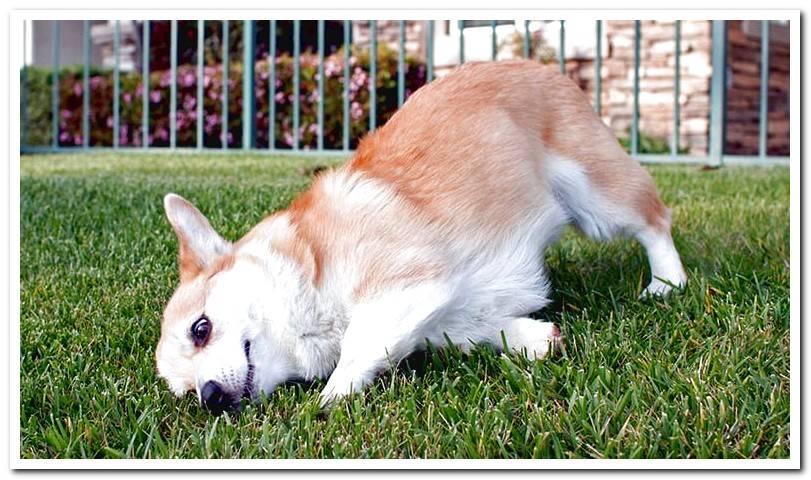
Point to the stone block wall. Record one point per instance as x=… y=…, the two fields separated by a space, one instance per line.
x=743 y=94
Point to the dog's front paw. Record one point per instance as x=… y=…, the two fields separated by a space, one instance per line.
x=327 y=399
x=340 y=385
x=661 y=288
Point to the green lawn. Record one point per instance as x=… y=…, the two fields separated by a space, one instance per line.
x=703 y=374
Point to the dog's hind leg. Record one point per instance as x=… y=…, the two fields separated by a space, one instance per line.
x=528 y=336
x=616 y=196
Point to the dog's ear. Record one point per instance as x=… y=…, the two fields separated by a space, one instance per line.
x=200 y=246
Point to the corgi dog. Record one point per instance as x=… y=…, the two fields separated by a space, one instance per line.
x=434 y=230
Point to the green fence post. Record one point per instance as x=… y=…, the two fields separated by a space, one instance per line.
x=429 y=74
x=347 y=79
x=401 y=65
x=225 y=68
x=461 y=42
x=526 y=39
x=763 y=140
x=201 y=33
x=248 y=100
x=86 y=84
x=173 y=87
x=493 y=40
x=373 y=77
x=296 y=81
x=24 y=91
x=674 y=145
x=598 y=70
x=117 y=84
x=718 y=93
x=55 y=87
x=562 y=46
x=320 y=138
x=145 y=87
x=635 y=112
x=272 y=87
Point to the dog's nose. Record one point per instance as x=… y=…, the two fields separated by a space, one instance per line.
x=215 y=398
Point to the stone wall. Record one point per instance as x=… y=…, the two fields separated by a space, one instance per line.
x=743 y=94
x=656 y=80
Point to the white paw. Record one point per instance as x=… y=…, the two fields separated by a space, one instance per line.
x=333 y=391
x=344 y=381
x=660 y=288
x=533 y=338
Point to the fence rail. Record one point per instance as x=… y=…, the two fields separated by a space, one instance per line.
x=717 y=121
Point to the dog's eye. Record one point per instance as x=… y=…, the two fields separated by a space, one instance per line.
x=200 y=330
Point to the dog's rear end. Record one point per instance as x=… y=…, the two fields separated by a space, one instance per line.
x=494 y=144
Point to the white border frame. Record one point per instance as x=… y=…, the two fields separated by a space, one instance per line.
x=16 y=19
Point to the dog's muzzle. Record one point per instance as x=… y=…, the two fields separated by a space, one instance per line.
x=215 y=399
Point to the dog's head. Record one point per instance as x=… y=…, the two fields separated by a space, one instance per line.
x=216 y=337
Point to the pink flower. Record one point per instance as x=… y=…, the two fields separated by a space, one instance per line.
x=189 y=103
x=331 y=68
x=356 y=111
x=165 y=79
x=188 y=79
x=77 y=89
x=155 y=96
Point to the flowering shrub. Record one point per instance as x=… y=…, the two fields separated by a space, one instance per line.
x=131 y=91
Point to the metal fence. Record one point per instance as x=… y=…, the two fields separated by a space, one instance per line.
x=717 y=123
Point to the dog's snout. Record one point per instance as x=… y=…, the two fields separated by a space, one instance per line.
x=215 y=398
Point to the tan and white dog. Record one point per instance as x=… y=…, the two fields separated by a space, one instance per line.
x=436 y=226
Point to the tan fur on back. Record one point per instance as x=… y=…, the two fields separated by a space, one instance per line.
x=453 y=134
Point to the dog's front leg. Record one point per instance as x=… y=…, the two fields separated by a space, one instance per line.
x=381 y=332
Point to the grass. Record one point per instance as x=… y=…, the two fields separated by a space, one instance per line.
x=703 y=374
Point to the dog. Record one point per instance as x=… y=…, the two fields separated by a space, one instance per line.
x=433 y=231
